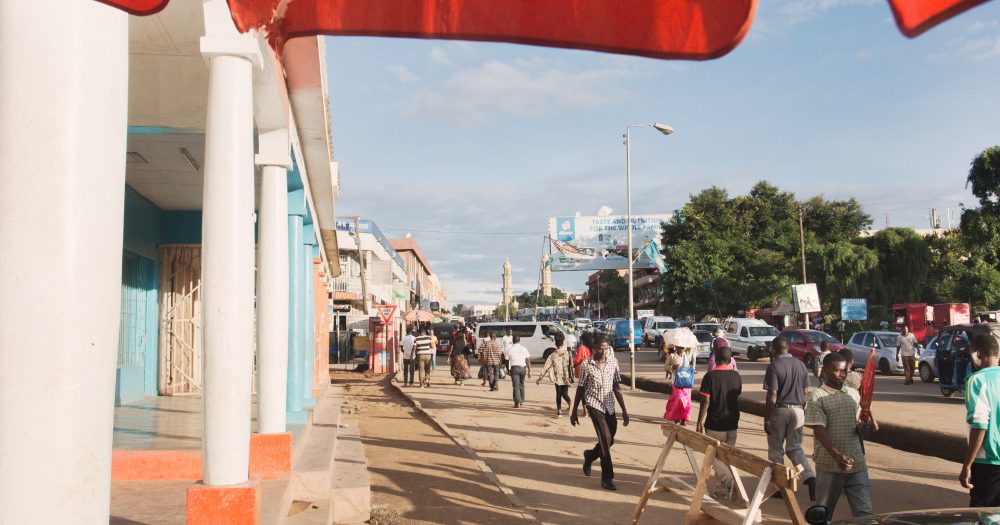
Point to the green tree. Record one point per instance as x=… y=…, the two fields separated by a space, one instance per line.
x=840 y=269
x=504 y=311
x=949 y=256
x=458 y=309
x=613 y=293
x=981 y=227
x=904 y=262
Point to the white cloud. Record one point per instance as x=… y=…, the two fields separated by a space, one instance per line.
x=403 y=74
x=519 y=88
x=864 y=54
x=979 y=42
x=440 y=57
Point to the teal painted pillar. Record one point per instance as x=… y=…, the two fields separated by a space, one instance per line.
x=296 y=289
x=309 y=318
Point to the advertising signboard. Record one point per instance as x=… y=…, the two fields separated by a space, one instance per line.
x=435 y=306
x=589 y=243
x=805 y=298
x=854 y=309
x=642 y=314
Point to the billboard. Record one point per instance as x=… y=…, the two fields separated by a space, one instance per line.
x=854 y=309
x=805 y=298
x=589 y=243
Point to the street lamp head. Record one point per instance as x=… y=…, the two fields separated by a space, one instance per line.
x=663 y=128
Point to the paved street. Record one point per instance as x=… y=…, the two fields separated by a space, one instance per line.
x=539 y=456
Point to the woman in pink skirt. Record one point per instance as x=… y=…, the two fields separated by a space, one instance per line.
x=679 y=404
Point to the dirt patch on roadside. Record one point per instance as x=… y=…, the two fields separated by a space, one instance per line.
x=414 y=468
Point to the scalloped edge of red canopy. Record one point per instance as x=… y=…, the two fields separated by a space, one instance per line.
x=667 y=29
x=914 y=17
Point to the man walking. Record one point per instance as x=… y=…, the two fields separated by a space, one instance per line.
x=506 y=342
x=425 y=356
x=906 y=351
x=832 y=414
x=786 y=380
x=599 y=388
x=719 y=413
x=981 y=466
x=489 y=355
x=520 y=365
x=407 y=344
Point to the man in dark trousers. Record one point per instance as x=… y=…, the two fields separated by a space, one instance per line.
x=598 y=389
x=785 y=380
x=719 y=413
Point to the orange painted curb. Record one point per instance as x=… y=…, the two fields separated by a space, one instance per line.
x=224 y=505
x=270 y=455
x=133 y=465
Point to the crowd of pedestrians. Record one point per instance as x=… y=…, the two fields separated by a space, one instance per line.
x=832 y=411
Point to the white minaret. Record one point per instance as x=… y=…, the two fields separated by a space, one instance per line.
x=546 y=277
x=508 y=290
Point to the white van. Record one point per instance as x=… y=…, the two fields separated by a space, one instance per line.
x=750 y=337
x=535 y=336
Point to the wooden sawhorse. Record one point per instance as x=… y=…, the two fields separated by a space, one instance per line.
x=773 y=478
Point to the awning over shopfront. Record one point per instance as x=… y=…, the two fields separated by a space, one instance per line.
x=675 y=29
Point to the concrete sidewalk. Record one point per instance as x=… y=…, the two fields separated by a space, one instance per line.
x=539 y=457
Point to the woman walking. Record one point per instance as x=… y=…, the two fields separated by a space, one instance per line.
x=679 y=404
x=560 y=364
x=459 y=358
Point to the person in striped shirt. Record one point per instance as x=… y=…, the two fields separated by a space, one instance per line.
x=425 y=354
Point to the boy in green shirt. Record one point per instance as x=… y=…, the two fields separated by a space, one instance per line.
x=981 y=467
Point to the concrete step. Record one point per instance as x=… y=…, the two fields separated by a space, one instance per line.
x=351 y=493
x=310 y=513
x=311 y=469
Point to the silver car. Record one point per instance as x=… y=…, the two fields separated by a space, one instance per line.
x=884 y=343
x=927 y=367
x=704 y=345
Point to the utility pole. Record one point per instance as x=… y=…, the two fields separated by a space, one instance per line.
x=361 y=263
x=802 y=251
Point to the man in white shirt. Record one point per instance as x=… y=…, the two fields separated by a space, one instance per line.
x=520 y=365
x=906 y=351
x=506 y=342
x=407 y=344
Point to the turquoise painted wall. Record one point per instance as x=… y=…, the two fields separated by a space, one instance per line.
x=141 y=235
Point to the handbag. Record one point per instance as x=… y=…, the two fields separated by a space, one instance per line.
x=684 y=378
x=482 y=372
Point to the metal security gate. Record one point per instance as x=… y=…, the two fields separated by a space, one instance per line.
x=136 y=292
x=180 y=319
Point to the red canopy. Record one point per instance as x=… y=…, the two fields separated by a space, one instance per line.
x=684 y=29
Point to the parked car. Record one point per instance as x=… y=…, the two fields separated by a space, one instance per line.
x=620 y=339
x=927 y=366
x=804 y=344
x=597 y=327
x=963 y=516
x=704 y=344
x=582 y=323
x=654 y=327
x=884 y=343
x=749 y=337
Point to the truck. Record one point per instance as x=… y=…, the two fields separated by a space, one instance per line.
x=925 y=321
x=749 y=337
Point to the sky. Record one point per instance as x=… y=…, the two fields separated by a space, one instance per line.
x=471 y=147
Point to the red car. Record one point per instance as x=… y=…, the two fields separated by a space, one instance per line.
x=804 y=344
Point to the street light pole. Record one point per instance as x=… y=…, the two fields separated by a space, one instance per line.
x=666 y=130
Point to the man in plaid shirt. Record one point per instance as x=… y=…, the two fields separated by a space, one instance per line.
x=489 y=355
x=599 y=388
x=832 y=414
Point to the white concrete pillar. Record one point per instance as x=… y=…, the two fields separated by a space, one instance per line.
x=228 y=259
x=63 y=126
x=272 y=282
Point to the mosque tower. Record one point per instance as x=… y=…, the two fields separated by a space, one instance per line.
x=546 y=277
x=508 y=290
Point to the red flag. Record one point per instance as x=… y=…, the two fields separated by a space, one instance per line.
x=916 y=16
x=867 y=387
x=685 y=29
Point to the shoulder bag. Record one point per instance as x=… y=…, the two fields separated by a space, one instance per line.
x=684 y=378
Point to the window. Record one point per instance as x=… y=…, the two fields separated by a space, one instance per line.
x=792 y=337
x=888 y=340
x=744 y=332
x=765 y=331
x=869 y=340
x=666 y=326
x=819 y=337
x=731 y=328
x=857 y=339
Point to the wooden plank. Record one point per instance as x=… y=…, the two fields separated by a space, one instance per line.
x=710 y=506
x=703 y=475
